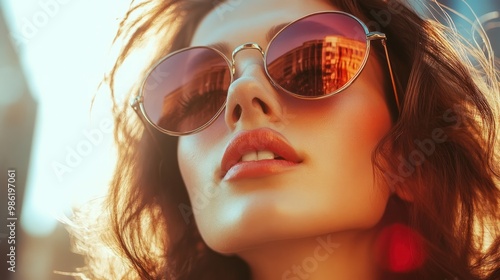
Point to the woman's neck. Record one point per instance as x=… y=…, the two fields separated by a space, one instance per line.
x=346 y=256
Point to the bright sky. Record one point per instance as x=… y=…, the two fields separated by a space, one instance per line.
x=64 y=47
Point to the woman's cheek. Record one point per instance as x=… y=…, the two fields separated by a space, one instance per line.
x=199 y=158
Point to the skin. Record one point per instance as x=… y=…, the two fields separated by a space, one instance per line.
x=274 y=222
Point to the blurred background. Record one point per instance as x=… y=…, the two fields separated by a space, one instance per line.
x=53 y=54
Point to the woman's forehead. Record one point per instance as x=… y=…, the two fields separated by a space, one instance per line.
x=246 y=20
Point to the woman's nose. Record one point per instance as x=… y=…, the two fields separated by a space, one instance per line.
x=252 y=101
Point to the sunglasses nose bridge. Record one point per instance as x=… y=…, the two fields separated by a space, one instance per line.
x=246 y=46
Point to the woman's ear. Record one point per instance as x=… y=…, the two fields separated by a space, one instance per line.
x=396 y=186
x=403 y=193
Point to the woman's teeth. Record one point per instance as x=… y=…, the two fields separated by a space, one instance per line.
x=258 y=155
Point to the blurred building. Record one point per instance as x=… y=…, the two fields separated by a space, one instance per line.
x=487 y=13
x=17 y=119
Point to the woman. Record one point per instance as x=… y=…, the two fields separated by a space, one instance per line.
x=331 y=158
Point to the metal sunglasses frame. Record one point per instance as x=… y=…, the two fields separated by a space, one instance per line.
x=138 y=102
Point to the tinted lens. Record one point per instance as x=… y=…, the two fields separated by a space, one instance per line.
x=187 y=89
x=317 y=55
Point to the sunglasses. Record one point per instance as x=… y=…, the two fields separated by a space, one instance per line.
x=314 y=57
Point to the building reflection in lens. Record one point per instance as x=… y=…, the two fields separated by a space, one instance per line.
x=315 y=68
x=195 y=102
x=318 y=67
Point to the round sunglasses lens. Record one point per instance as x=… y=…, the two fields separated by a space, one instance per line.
x=317 y=55
x=186 y=90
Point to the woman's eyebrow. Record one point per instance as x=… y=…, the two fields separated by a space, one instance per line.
x=224 y=47
x=275 y=29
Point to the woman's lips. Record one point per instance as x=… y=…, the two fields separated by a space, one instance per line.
x=257 y=153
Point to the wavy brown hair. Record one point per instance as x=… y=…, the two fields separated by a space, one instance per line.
x=441 y=153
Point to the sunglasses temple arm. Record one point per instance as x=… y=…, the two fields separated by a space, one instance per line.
x=389 y=66
x=135 y=105
x=137 y=109
x=381 y=36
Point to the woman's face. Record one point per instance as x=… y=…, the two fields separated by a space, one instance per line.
x=318 y=178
